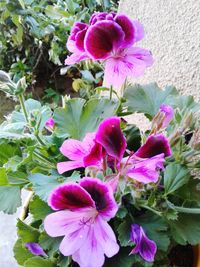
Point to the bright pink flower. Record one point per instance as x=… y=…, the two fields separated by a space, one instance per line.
x=154 y=145
x=110 y=37
x=110 y=136
x=168 y=111
x=50 y=123
x=143 y=245
x=81 y=153
x=145 y=170
x=82 y=213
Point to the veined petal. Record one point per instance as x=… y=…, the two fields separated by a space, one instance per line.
x=94 y=157
x=102 y=195
x=35 y=249
x=69 y=165
x=143 y=174
x=69 y=196
x=106 y=237
x=140 y=54
x=135 y=236
x=110 y=136
x=139 y=31
x=102 y=38
x=169 y=114
x=73 y=149
x=154 y=145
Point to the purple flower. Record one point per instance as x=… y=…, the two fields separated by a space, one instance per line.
x=35 y=249
x=82 y=213
x=110 y=136
x=110 y=37
x=146 y=170
x=143 y=245
x=50 y=123
x=81 y=153
x=168 y=112
x=154 y=145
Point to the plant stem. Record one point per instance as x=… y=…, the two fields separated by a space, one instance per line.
x=151 y=209
x=111 y=92
x=21 y=100
x=25 y=206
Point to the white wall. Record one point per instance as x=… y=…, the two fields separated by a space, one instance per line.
x=173 y=35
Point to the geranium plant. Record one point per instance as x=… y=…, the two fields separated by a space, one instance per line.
x=102 y=192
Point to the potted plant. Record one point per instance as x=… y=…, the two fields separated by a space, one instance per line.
x=103 y=192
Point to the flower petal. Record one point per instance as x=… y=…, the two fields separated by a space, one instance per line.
x=75 y=58
x=139 y=31
x=94 y=157
x=128 y=28
x=135 y=237
x=148 y=248
x=73 y=149
x=169 y=114
x=106 y=237
x=154 y=145
x=102 y=195
x=35 y=249
x=102 y=38
x=110 y=136
x=69 y=196
x=69 y=165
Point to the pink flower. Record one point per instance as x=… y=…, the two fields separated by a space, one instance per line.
x=81 y=153
x=168 y=112
x=82 y=212
x=110 y=37
x=154 y=145
x=143 y=245
x=50 y=123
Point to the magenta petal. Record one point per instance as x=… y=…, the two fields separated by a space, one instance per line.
x=75 y=42
x=139 y=31
x=94 y=157
x=102 y=38
x=128 y=28
x=135 y=237
x=69 y=165
x=69 y=196
x=143 y=174
x=154 y=145
x=101 y=193
x=110 y=136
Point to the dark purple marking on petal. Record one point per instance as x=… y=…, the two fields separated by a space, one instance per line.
x=128 y=28
x=148 y=248
x=103 y=38
x=110 y=136
x=69 y=196
x=94 y=157
x=154 y=145
x=35 y=249
x=102 y=195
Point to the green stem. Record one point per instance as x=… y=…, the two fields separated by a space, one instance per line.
x=21 y=100
x=151 y=209
x=111 y=92
x=39 y=139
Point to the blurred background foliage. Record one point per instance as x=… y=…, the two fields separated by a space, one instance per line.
x=33 y=44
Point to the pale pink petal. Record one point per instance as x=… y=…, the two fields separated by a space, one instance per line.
x=143 y=174
x=106 y=237
x=73 y=149
x=69 y=165
x=139 y=31
x=75 y=58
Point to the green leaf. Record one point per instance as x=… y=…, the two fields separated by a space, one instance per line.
x=146 y=98
x=156 y=229
x=38 y=262
x=55 y=13
x=17 y=178
x=194 y=190
x=186 y=229
x=3 y=177
x=124 y=230
x=175 y=176
x=121 y=259
x=133 y=137
x=183 y=103
x=13 y=163
x=10 y=198
x=21 y=254
x=8 y=151
x=80 y=117
x=26 y=232
x=43 y=184
x=39 y=209
x=49 y=243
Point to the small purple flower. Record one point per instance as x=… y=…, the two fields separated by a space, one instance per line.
x=82 y=212
x=110 y=136
x=146 y=170
x=143 y=245
x=81 y=153
x=35 y=249
x=50 y=123
x=110 y=37
x=154 y=145
x=168 y=112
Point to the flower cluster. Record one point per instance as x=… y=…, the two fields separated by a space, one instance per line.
x=110 y=37
x=82 y=210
